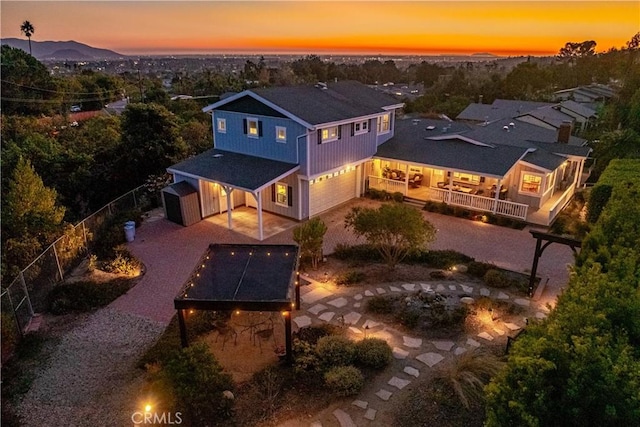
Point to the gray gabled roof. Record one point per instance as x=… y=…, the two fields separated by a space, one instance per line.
x=583 y=110
x=521 y=134
x=237 y=170
x=414 y=144
x=544 y=159
x=499 y=109
x=313 y=105
x=548 y=115
x=180 y=189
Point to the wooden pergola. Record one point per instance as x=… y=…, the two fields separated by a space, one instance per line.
x=243 y=277
x=548 y=239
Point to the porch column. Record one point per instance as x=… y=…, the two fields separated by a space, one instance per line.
x=183 y=329
x=229 y=191
x=258 y=196
x=358 y=173
x=497 y=197
x=287 y=338
x=450 y=186
x=578 y=180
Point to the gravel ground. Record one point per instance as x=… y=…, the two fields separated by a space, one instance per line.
x=92 y=372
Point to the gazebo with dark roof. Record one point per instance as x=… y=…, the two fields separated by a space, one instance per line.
x=243 y=277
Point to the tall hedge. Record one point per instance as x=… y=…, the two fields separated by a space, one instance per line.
x=581 y=367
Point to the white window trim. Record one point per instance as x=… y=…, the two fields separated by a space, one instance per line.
x=286 y=195
x=364 y=127
x=249 y=134
x=278 y=129
x=329 y=139
x=380 y=130
x=223 y=128
x=528 y=193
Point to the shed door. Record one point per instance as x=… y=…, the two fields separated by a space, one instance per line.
x=325 y=194
x=173 y=209
x=208 y=193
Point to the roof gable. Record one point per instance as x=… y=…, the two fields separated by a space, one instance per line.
x=250 y=105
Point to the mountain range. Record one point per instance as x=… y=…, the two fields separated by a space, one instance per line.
x=63 y=50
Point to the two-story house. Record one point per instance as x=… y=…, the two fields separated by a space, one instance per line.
x=294 y=151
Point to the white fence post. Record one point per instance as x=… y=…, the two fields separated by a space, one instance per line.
x=55 y=254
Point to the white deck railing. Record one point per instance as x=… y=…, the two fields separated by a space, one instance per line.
x=502 y=207
x=389 y=185
x=560 y=203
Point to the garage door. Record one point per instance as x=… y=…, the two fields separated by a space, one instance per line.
x=325 y=194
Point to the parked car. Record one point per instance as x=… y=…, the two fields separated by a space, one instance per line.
x=76 y=108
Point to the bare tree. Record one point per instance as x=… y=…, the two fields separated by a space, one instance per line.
x=28 y=30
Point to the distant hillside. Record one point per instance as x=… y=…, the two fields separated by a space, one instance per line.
x=69 y=50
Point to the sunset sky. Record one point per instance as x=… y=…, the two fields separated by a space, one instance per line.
x=415 y=27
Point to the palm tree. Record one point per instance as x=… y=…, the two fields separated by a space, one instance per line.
x=28 y=30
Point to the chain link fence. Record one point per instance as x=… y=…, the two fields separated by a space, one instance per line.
x=28 y=292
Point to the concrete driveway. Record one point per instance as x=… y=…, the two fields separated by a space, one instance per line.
x=170 y=252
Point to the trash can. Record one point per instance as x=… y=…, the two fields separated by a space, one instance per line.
x=133 y=224
x=129 y=232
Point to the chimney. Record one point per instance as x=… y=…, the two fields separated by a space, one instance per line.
x=564 y=132
x=480 y=99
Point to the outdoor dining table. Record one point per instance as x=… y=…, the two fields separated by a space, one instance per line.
x=459 y=188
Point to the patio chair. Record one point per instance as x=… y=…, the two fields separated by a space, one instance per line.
x=415 y=181
x=226 y=331
x=265 y=333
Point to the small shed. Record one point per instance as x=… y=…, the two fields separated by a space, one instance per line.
x=181 y=203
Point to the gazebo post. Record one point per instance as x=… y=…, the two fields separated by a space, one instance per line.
x=183 y=329
x=297 y=291
x=287 y=333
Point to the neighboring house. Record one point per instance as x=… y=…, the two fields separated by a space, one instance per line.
x=507 y=167
x=294 y=151
x=585 y=94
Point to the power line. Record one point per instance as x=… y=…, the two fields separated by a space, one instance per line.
x=50 y=101
x=57 y=91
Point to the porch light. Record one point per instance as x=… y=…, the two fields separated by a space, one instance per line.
x=237 y=311
x=147 y=408
x=285 y=313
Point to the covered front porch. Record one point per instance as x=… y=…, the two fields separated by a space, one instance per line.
x=459 y=188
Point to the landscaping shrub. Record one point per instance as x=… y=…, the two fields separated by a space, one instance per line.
x=598 y=199
x=379 y=305
x=496 y=279
x=350 y=278
x=335 y=350
x=373 y=353
x=85 y=295
x=442 y=258
x=312 y=334
x=344 y=380
x=357 y=252
x=304 y=357
x=197 y=383
x=110 y=235
x=375 y=194
x=397 y=197
x=9 y=334
x=438 y=274
x=123 y=262
x=479 y=269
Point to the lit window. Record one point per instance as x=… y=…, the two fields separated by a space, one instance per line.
x=252 y=127
x=465 y=177
x=531 y=183
x=330 y=134
x=282 y=197
x=361 y=127
x=222 y=125
x=384 y=123
x=281 y=134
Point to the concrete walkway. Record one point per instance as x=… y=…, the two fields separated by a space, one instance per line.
x=170 y=252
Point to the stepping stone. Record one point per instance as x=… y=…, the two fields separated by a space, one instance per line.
x=399 y=353
x=317 y=309
x=357 y=297
x=486 y=336
x=440 y=288
x=409 y=286
x=327 y=316
x=412 y=342
x=384 y=394
x=512 y=326
x=394 y=289
x=384 y=335
x=343 y=418
x=472 y=342
x=410 y=370
x=426 y=287
x=540 y=315
x=355 y=330
x=459 y=350
x=522 y=301
x=315 y=295
x=467 y=300
x=380 y=291
x=453 y=288
x=467 y=289
x=499 y=331
x=443 y=345
x=368 y=293
x=357 y=305
x=430 y=359
x=316 y=424
x=302 y=321
x=338 y=302
x=485 y=292
x=398 y=383
x=370 y=324
x=502 y=295
x=352 y=318
x=360 y=404
x=370 y=414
